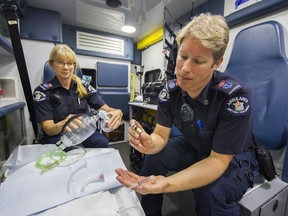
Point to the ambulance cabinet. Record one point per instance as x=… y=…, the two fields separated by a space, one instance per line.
x=12 y=130
x=266 y=200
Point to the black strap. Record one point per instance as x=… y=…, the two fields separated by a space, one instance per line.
x=12 y=19
x=69 y=121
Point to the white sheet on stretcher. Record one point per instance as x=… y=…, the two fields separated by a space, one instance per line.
x=119 y=201
x=28 y=191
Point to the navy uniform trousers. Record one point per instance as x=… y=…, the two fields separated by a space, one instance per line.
x=96 y=140
x=218 y=198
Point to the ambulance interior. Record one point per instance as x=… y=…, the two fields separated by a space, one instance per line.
x=121 y=72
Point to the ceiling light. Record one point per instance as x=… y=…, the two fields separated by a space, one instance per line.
x=128 y=29
x=113 y=3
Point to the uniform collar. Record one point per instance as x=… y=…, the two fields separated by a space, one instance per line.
x=55 y=83
x=203 y=97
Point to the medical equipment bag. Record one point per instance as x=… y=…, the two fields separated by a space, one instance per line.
x=151 y=91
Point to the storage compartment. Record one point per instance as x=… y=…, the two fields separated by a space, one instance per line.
x=275 y=206
x=268 y=199
x=152 y=75
x=12 y=132
x=151 y=91
x=8 y=87
x=116 y=135
x=152 y=86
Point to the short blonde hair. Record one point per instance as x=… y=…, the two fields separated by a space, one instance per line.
x=210 y=30
x=60 y=51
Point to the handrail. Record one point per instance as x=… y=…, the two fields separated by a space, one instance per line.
x=132 y=77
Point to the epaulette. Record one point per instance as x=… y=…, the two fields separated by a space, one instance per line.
x=228 y=86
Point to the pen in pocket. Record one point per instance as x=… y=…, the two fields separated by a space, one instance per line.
x=199 y=123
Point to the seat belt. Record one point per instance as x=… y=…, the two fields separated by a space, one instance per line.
x=9 y=9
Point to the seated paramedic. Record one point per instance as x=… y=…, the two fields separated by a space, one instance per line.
x=214 y=156
x=64 y=96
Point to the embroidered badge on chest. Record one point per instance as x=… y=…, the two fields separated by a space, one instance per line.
x=238 y=106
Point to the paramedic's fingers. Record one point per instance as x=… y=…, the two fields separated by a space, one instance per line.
x=135 y=129
x=77 y=122
x=142 y=184
x=141 y=146
x=126 y=177
x=154 y=186
x=61 y=124
x=116 y=118
x=137 y=136
x=130 y=179
x=74 y=124
x=68 y=129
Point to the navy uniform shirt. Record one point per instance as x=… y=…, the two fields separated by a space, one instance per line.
x=53 y=102
x=222 y=115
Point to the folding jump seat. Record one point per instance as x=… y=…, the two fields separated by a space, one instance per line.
x=258 y=58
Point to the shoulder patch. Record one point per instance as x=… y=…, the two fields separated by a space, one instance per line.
x=164 y=95
x=86 y=80
x=171 y=85
x=228 y=86
x=39 y=96
x=238 y=106
x=90 y=89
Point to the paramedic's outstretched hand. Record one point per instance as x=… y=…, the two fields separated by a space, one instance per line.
x=148 y=185
x=138 y=138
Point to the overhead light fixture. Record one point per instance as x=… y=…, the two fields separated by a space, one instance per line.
x=113 y=3
x=128 y=29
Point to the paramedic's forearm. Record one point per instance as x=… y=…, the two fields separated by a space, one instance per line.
x=199 y=174
x=159 y=139
x=52 y=128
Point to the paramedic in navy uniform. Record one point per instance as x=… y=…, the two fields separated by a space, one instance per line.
x=64 y=96
x=213 y=112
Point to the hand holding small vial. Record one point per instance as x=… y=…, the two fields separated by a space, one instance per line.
x=134 y=127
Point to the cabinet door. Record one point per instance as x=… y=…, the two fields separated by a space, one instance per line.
x=12 y=133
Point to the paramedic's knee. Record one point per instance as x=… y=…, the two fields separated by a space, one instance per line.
x=211 y=200
x=96 y=140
